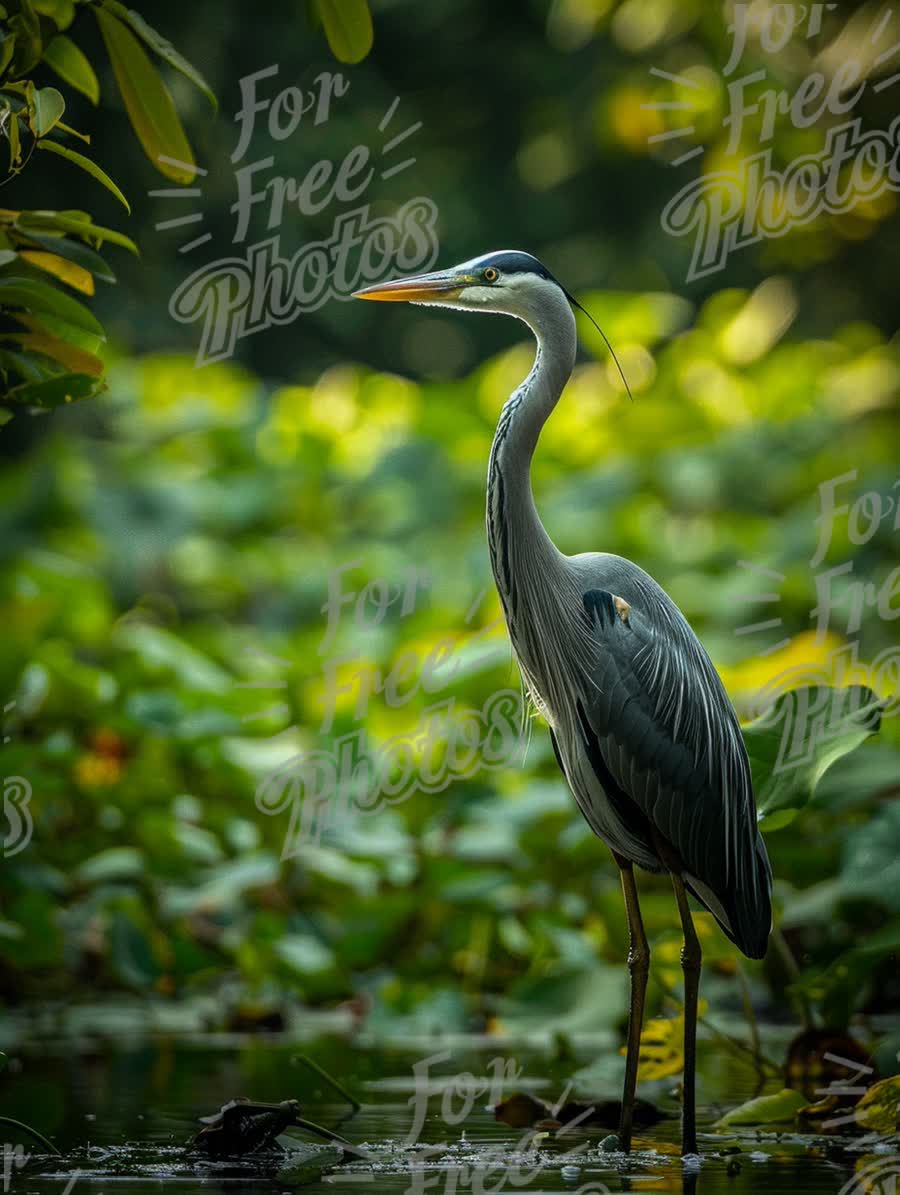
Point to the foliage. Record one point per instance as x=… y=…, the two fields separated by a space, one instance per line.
x=169 y=546
x=49 y=342
x=154 y=590
x=879 y=1109
x=850 y=715
x=347 y=25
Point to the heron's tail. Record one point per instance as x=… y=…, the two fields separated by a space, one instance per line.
x=745 y=911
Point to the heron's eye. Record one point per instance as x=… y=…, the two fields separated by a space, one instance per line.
x=491 y=274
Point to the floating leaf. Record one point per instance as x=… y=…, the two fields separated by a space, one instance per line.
x=879 y=1109
x=147 y=101
x=521 y=1110
x=87 y=165
x=71 y=64
x=348 y=27
x=780 y=1108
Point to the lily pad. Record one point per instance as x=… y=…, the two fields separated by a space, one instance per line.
x=879 y=1109
x=780 y=1108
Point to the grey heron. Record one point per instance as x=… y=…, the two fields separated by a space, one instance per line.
x=641 y=725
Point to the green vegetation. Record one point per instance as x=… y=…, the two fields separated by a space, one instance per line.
x=50 y=343
x=166 y=550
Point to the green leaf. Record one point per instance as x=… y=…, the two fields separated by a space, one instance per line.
x=60 y=12
x=879 y=1109
x=871 y=858
x=348 y=27
x=48 y=107
x=163 y=48
x=28 y=44
x=161 y=650
x=798 y=739
x=54 y=392
x=113 y=863
x=75 y=359
x=7 y=49
x=844 y=984
x=304 y=953
x=72 y=66
x=131 y=951
x=66 y=271
x=75 y=251
x=147 y=101
x=12 y=132
x=46 y=322
x=75 y=222
x=20 y=365
x=87 y=165
x=780 y=1108
x=18 y=291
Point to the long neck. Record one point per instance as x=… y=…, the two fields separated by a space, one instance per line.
x=516 y=536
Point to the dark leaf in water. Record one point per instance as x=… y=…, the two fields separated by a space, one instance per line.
x=522 y=1111
x=607 y=1113
x=242 y=1127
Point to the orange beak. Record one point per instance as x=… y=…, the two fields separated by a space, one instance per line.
x=444 y=284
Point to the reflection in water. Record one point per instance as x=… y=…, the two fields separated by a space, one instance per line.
x=123 y=1113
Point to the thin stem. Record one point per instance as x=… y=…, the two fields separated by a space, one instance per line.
x=330 y=1080
x=24 y=1128
x=760 y=1059
x=749 y=1011
x=311 y=1127
x=793 y=969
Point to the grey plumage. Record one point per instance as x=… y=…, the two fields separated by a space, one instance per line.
x=642 y=727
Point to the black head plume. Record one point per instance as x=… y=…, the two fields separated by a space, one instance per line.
x=612 y=351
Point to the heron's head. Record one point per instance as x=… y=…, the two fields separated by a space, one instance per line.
x=505 y=281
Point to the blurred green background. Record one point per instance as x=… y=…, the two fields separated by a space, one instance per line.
x=167 y=546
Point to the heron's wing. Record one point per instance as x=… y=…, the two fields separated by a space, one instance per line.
x=665 y=742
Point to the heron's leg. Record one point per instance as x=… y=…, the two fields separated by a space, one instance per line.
x=639 y=968
x=690 y=961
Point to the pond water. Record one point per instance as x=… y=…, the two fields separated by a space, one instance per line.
x=120 y=1111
